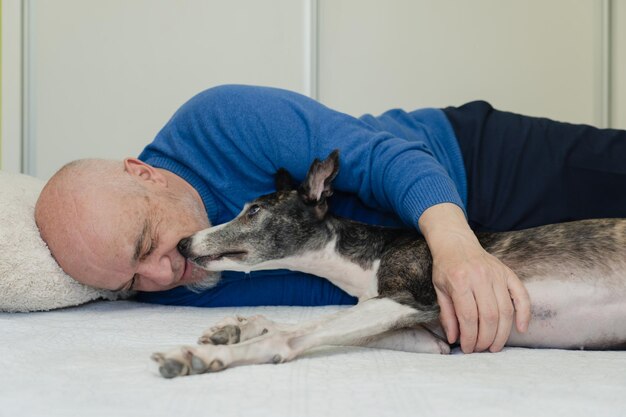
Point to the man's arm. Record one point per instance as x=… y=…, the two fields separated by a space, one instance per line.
x=477 y=293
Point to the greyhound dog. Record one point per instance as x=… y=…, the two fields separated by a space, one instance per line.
x=575 y=274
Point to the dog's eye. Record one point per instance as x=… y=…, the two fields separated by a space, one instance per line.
x=253 y=210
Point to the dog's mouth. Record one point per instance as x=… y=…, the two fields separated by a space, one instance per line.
x=206 y=259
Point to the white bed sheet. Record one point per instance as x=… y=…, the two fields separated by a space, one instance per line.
x=93 y=360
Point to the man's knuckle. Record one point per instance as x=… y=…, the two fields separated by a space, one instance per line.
x=458 y=276
x=468 y=318
x=457 y=288
x=507 y=310
x=481 y=272
x=490 y=317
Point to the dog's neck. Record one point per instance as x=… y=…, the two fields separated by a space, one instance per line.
x=349 y=255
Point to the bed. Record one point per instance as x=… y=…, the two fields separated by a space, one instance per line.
x=93 y=360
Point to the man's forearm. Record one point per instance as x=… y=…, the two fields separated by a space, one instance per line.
x=444 y=226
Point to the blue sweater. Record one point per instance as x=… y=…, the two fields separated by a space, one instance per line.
x=228 y=142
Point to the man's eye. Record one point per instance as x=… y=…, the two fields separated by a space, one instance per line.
x=254 y=209
x=145 y=255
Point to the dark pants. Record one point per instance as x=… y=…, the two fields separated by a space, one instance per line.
x=526 y=171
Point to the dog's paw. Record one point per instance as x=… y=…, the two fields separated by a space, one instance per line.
x=227 y=335
x=443 y=348
x=205 y=360
x=188 y=360
x=236 y=329
x=172 y=364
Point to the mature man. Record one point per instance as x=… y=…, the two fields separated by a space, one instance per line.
x=447 y=172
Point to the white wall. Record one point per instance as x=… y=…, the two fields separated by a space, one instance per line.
x=102 y=77
x=105 y=76
x=536 y=57
x=11 y=98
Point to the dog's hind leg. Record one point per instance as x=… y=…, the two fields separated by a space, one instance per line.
x=357 y=325
x=416 y=340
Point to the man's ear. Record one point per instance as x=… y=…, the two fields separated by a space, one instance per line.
x=283 y=180
x=143 y=171
x=316 y=187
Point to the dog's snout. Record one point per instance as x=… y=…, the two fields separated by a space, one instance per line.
x=184 y=246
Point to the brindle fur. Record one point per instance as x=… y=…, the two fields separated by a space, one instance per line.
x=406 y=261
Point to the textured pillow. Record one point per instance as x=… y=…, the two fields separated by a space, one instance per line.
x=30 y=279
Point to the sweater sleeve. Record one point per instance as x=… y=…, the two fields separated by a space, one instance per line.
x=276 y=128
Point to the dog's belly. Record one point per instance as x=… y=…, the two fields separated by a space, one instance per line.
x=582 y=313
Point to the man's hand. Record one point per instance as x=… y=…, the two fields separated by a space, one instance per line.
x=477 y=294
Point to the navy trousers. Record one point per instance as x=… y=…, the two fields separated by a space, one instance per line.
x=528 y=171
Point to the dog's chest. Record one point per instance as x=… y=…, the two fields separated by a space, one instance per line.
x=349 y=276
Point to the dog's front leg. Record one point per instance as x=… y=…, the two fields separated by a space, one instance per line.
x=357 y=325
x=238 y=329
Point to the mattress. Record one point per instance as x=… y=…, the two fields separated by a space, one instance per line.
x=93 y=360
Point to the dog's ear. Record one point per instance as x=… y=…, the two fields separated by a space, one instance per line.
x=316 y=187
x=283 y=180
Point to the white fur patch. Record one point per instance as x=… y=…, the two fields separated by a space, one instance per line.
x=326 y=263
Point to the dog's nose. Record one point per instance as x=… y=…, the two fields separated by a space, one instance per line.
x=184 y=246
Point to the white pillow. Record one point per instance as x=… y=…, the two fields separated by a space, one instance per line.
x=30 y=278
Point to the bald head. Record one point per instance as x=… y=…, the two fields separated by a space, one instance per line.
x=116 y=224
x=85 y=174
x=75 y=207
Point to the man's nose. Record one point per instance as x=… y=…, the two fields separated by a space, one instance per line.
x=184 y=247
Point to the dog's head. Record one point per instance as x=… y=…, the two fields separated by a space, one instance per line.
x=273 y=227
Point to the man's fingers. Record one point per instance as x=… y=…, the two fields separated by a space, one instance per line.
x=506 y=313
x=521 y=302
x=467 y=315
x=479 y=298
x=448 y=316
x=488 y=316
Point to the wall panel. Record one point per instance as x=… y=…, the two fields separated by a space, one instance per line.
x=536 y=57
x=105 y=76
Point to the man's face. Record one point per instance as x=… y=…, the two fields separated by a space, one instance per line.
x=131 y=245
x=124 y=241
